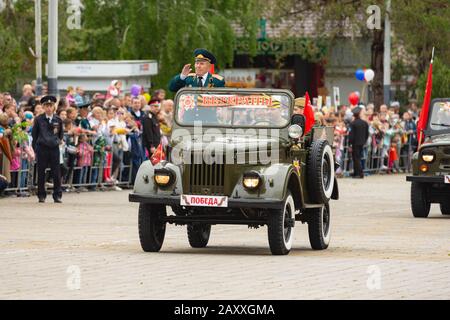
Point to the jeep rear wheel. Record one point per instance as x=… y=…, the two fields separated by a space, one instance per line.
x=419 y=203
x=152 y=228
x=319 y=227
x=198 y=234
x=320 y=171
x=445 y=208
x=280 y=227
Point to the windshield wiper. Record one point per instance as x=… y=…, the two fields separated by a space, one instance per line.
x=441 y=124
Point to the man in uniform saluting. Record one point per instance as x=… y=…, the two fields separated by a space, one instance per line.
x=47 y=135
x=202 y=76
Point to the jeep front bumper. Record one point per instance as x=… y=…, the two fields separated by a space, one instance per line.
x=232 y=202
x=436 y=179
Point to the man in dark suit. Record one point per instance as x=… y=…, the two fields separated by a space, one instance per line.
x=359 y=133
x=151 y=135
x=47 y=135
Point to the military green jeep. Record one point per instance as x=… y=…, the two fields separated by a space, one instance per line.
x=431 y=164
x=239 y=157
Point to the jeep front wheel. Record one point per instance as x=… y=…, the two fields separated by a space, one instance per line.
x=319 y=227
x=419 y=202
x=280 y=227
x=152 y=228
x=445 y=208
x=198 y=235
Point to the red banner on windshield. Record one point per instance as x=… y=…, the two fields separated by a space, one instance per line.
x=224 y=101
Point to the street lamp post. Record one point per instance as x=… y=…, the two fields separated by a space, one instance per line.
x=387 y=54
x=38 y=54
x=52 y=47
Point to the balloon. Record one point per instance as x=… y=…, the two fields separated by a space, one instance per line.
x=147 y=97
x=135 y=90
x=353 y=98
x=358 y=94
x=369 y=75
x=359 y=74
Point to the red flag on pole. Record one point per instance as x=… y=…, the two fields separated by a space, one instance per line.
x=309 y=114
x=423 y=119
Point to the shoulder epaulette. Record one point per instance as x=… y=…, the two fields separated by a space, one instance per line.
x=219 y=77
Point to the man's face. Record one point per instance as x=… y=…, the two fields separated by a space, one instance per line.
x=136 y=104
x=7 y=98
x=383 y=108
x=48 y=109
x=202 y=67
x=298 y=110
x=128 y=101
x=154 y=108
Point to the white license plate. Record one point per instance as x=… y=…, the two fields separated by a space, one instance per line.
x=447 y=179
x=203 y=201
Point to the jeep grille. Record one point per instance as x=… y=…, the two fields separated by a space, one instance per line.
x=206 y=179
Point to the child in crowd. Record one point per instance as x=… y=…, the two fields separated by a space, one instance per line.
x=393 y=158
x=85 y=153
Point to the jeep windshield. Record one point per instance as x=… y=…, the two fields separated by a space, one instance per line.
x=440 y=117
x=235 y=109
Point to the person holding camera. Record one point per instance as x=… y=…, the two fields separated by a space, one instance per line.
x=47 y=136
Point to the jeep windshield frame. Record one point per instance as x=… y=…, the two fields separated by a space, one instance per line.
x=286 y=105
x=439 y=108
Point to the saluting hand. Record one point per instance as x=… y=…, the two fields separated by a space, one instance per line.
x=186 y=70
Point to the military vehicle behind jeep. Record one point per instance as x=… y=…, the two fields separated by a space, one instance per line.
x=239 y=157
x=431 y=163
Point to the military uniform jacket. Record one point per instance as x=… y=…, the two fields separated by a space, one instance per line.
x=47 y=134
x=191 y=80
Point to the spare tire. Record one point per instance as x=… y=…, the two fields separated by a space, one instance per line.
x=320 y=172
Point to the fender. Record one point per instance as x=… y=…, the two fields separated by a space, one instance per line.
x=144 y=183
x=275 y=184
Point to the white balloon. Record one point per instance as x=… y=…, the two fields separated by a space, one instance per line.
x=358 y=94
x=369 y=75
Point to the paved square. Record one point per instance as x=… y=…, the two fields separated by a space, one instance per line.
x=88 y=248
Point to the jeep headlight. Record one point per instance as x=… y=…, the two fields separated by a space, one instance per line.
x=252 y=180
x=428 y=156
x=295 y=131
x=163 y=177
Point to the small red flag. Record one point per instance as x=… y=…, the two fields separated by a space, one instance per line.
x=211 y=70
x=423 y=119
x=309 y=114
x=158 y=156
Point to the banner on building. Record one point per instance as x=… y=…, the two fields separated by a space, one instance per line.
x=240 y=78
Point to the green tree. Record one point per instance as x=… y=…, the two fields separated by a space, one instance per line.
x=165 y=30
x=441 y=80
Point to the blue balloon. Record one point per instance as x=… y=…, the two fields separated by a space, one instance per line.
x=359 y=74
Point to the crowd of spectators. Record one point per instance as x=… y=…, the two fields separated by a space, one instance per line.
x=105 y=139
x=392 y=136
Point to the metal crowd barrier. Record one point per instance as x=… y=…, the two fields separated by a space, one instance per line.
x=377 y=161
x=74 y=179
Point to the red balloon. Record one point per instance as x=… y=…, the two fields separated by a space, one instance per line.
x=353 y=98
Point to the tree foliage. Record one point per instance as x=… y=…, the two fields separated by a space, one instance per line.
x=164 y=30
x=441 y=81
